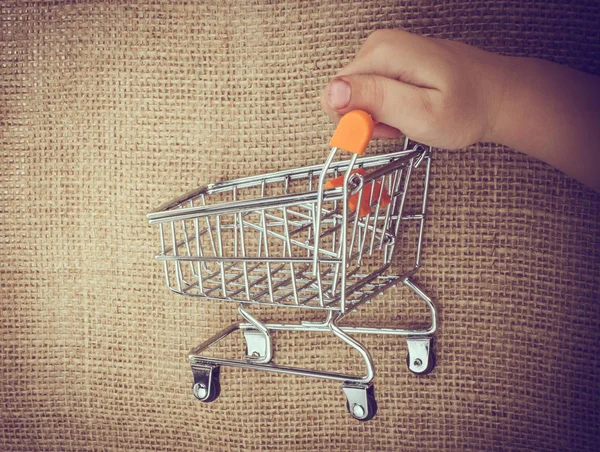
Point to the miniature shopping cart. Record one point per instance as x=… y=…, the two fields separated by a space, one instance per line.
x=322 y=237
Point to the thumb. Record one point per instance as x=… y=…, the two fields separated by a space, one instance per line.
x=391 y=102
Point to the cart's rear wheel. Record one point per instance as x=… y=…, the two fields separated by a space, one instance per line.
x=420 y=359
x=208 y=389
x=426 y=370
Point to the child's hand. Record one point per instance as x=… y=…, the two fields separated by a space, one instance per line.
x=442 y=93
x=451 y=95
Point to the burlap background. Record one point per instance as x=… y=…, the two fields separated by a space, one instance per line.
x=109 y=109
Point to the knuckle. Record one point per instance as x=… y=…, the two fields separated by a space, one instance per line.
x=426 y=103
x=377 y=36
x=382 y=43
x=375 y=93
x=384 y=49
x=449 y=76
x=427 y=116
x=385 y=34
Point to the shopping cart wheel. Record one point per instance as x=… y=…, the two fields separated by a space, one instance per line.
x=420 y=359
x=206 y=382
x=360 y=401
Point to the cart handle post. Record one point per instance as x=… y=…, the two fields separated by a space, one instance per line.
x=352 y=134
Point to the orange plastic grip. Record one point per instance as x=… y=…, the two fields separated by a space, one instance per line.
x=353 y=132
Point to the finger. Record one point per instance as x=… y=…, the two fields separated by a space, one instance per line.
x=399 y=105
x=400 y=55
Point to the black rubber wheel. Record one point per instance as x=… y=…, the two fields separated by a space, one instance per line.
x=372 y=406
x=215 y=391
x=371 y=403
x=430 y=364
x=215 y=388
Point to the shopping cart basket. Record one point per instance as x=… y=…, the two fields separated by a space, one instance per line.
x=322 y=237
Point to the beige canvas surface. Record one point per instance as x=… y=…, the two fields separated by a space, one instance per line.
x=108 y=109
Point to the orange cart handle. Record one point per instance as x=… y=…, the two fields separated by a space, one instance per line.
x=354 y=132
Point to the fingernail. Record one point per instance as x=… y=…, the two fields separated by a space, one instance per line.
x=339 y=94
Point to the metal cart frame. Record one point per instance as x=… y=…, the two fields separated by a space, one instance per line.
x=298 y=244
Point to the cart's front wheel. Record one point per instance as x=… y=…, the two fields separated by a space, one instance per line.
x=359 y=413
x=361 y=403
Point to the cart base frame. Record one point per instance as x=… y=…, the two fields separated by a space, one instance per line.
x=358 y=389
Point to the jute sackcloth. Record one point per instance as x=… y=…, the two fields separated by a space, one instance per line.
x=108 y=109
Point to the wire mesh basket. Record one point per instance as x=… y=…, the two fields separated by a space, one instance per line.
x=322 y=237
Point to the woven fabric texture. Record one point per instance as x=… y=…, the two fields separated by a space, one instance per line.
x=108 y=109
